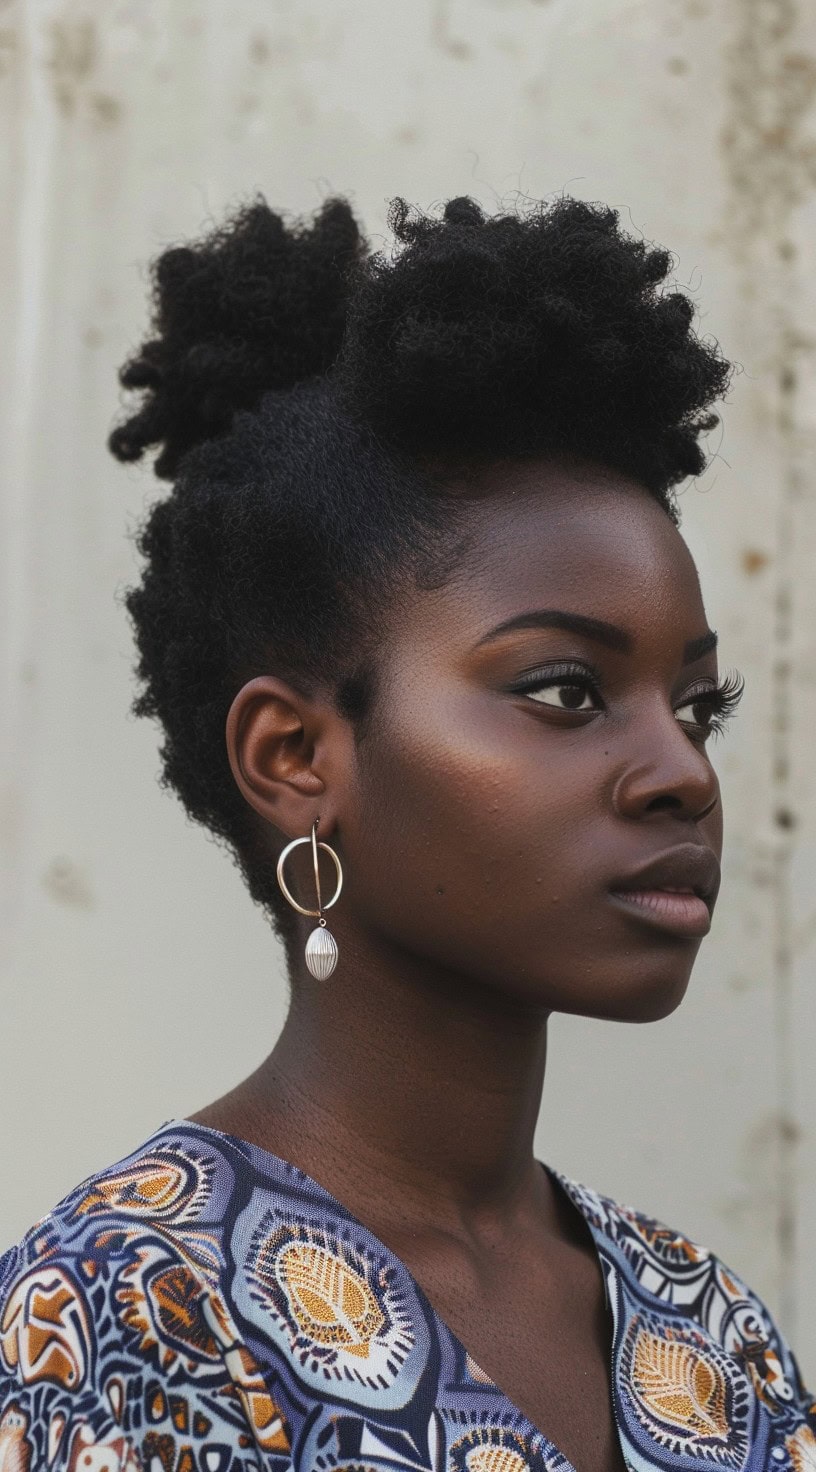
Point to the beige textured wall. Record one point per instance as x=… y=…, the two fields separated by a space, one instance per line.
x=137 y=979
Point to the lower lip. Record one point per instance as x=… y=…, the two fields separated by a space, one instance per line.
x=682 y=914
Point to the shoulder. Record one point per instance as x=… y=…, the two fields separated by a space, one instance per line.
x=114 y=1247
x=115 y=1331
x=669 y=1280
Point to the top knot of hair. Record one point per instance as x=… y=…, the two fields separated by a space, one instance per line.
x=544 y=330
x=256 y=305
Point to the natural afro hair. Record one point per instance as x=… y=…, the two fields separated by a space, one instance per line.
x=306 y=396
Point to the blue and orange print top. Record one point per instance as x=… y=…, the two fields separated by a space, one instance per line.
x=203 y=1306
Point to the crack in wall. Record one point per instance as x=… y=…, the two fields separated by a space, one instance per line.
x=770 y=160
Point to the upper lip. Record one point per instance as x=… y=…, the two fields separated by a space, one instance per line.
x=688 y=866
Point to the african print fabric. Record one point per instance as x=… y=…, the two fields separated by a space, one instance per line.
x=203 y=1306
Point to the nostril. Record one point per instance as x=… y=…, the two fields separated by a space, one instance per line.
x=665 y=802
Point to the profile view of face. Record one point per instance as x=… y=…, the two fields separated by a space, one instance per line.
x=516 y=773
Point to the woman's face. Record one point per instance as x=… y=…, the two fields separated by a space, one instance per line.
x=518 y=772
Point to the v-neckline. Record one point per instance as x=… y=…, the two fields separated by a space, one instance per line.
x=568 y=1187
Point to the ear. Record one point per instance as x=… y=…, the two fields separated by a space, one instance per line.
x=283 y=751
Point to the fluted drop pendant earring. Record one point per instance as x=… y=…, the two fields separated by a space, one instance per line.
x=321 y=947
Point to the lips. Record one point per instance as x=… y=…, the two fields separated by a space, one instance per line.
x=675 y=891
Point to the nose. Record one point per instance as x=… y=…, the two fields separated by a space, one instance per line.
x=666 y=772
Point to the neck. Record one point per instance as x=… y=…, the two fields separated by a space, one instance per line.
x=391 y=1071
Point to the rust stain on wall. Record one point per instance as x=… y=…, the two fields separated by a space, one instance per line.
x=259 y=48
x=66 y=883
x=8 y=49
x=753 y=560
x=768 y=147
x=442 y=36
x=106 y=109
x=72 y=58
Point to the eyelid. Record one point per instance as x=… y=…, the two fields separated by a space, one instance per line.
x=702 y=691
x=561 y=669
x=705 y=683
x=698 y=693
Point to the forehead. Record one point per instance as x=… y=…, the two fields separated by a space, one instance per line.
x=578 y=538
x=584 y=539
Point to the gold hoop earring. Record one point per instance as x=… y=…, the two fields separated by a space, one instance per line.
x=321 y=947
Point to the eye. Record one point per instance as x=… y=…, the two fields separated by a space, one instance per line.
x=700 y=708
x=566 y=695
x=566 y=688
x=711 y=706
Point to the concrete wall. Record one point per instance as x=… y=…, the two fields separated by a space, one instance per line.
x=137 y=979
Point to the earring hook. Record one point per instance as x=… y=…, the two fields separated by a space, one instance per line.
x=316 y=864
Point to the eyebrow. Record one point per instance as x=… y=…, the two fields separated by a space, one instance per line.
x=592 y=628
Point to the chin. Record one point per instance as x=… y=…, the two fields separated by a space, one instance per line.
x=646 y=997
x=655 y=999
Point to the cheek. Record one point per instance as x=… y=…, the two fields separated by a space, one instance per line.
x=475 y=804
x=484 y=843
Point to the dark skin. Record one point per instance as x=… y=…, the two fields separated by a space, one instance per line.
x=480 y=827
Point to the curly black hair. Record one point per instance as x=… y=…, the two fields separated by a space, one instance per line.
x=306 y=397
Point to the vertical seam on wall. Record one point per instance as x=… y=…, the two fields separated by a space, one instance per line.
x=783 y=722
x=771 y=164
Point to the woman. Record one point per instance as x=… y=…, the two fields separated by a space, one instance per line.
x=421 y=562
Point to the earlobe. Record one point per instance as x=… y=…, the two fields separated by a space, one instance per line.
x=271 y=751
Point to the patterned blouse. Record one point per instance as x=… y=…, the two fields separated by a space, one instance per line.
x=203 y=1306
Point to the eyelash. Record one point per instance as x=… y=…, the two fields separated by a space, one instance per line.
x=721 y=700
